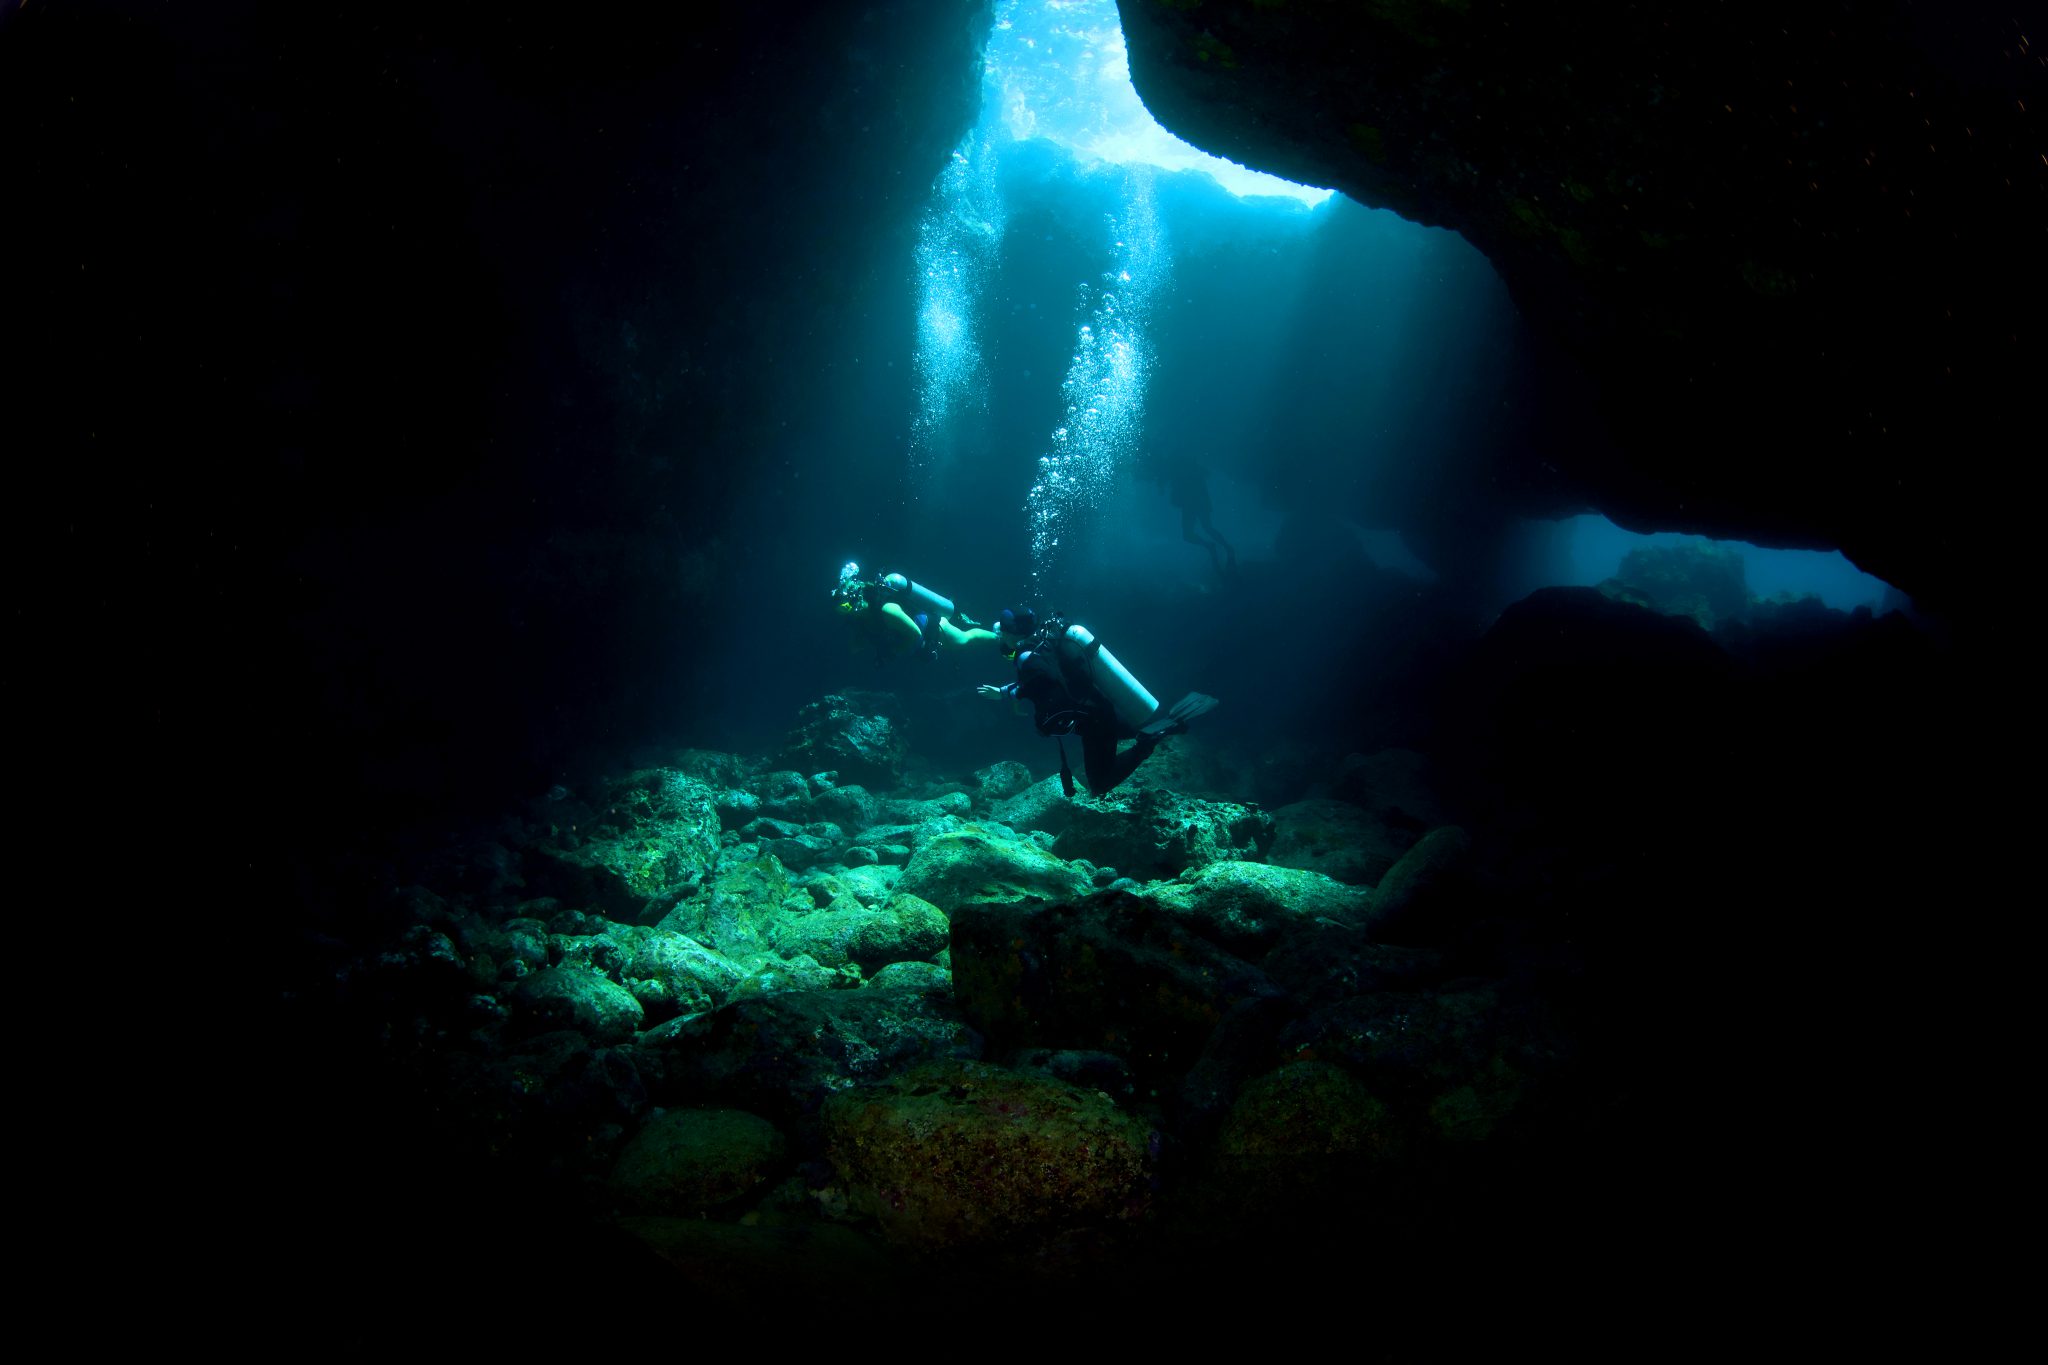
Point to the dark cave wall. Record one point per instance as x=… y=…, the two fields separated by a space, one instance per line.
x=1797 y=251
x=410 y=393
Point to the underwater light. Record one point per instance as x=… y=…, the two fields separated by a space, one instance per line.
x=1059 y=70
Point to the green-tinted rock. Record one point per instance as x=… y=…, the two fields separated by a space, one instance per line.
x=907 y=928
x=1247 y=907
x=692 y=974
x=856 y=734
x=693 y=1159
x=976 y=866
x=739 y=914
x=574 y=997
x=912 y=976
x=1306 y=1136
x=966 y=1156
x=653 y=835
x=1040 y=806
x=1152 y=831
x=1305 y=1109
x=781 y=1054
x=1110 y=972
x=1000 y=781
x=1338 y=839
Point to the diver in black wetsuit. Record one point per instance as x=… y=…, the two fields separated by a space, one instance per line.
x=1054 y=675
x=1187 y=487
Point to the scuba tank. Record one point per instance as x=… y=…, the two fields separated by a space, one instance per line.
x=923 y=596
x=1134 y=705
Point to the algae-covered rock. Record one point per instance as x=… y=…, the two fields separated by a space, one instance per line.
x=1402 y=1044
x=653 y=835
x=1039 y=806
x=796 y=971
x=912 y=976
x=575 y=997
x=1247 y=907
x=739 y=914
x=688 y=1160
x=782 y=793
x=962 y=1155
x=1338 y=839
x=999 y=782
x=977 y=866
x=1152 y=831
x=875 y=883
x=923 y=812
x=1302 y=1110
x=781 y=1054
x=850 y=807
x=1305 y=1134
x=1110 y=972
x=692 y=975
x=713 y=767
x=857 y=734
x=906 y=928
x=801 y=850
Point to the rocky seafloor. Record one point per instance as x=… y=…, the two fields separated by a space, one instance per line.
x=830 y=1026
x=832 y=1020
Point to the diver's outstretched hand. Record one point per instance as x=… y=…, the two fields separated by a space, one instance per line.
x=988 y=690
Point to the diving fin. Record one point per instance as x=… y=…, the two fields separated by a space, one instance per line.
x=1174 y=719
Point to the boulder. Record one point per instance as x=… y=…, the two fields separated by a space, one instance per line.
x=976 y=865
x=967 y=1156
x=689 y=1160
x=1247 y=907
x=1338 y=839
x=857 y=734
x=1423 y=893
x=907 y=928
x=782 y=1054
x=654 y=836
x=738 y=915
x=575 y=997
x=1109 y=972
x=1152 y=831
x=690 y=974
x=851 y=807
x=912 y=976
x=999 y=782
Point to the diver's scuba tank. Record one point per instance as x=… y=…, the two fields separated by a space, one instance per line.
x=923 y=596
x=1134 y=705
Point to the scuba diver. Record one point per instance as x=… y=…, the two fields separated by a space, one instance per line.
x=1187 y=487
x=896 y=616
x=1076 y=687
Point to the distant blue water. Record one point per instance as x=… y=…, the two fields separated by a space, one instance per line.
x=1593 y=546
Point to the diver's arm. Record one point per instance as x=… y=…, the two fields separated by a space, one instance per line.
x=1006 y=690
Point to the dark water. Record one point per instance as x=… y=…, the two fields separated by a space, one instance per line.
x=439 y=419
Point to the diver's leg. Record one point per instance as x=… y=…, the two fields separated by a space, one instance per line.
x=1216 y=541
x=955 y=635
x=1106 y=767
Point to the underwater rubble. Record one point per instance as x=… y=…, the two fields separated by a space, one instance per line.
x=742 y=1031
x=960 y=1031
